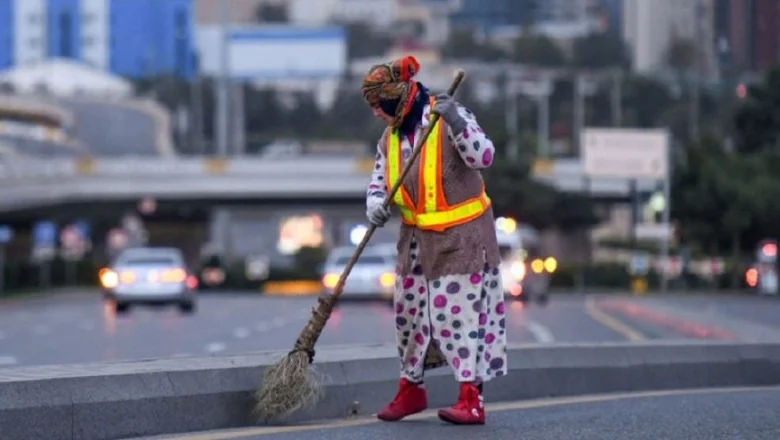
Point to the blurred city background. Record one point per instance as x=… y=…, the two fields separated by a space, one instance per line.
x=234 y=131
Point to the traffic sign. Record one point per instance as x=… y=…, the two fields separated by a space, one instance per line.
x=639 y=264
x=6 y=234
x=673 y=266
x=625 y=153
x=45 y=234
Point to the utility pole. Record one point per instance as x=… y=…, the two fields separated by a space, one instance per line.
x=617 y=98
x=698 y=65
x=579 y=112
x=221 y=114
x=511 y=117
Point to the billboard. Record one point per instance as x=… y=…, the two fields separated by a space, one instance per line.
x=625 y=153
x=274 y=52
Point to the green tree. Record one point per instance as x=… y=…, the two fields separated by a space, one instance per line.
x=757 y=120
x=462 y=44
x=725 y=201
x=538 y=50
x=515 y=194
x=599 y=51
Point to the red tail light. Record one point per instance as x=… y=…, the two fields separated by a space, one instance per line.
x=192 y=282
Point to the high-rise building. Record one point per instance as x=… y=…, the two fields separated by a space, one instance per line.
x=747 y=34
x=613 y=10
x=132 y=38
x=650 y=29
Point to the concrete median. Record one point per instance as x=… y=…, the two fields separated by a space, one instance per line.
x=143 y=398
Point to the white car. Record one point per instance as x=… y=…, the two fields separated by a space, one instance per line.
x=372 y=277
x=149 y=276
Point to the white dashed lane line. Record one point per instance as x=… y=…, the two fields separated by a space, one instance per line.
x=240 y=333
x=216 y=347
x=541 y=333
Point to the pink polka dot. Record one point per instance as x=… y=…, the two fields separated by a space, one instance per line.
x=470 y=159
x=399 y=308
x=487 y=357
x=500 y=308
x=466 y=374
x=490 y=338
x=455 y=310
x=465 y=134
x=455 y=363
x=483 y=318
x=412 y=311
x=440 y=302
x=419 y=338
x=487 y=157
x=414 y=361
x=475 y=278
x=408 y=282
x=446 y=333
x=421 y=289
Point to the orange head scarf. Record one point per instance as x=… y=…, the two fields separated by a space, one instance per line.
x=390 y=82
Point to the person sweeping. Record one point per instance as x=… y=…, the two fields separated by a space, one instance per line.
x=449 y=305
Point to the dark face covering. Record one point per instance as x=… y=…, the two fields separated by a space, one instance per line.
x=410 y=121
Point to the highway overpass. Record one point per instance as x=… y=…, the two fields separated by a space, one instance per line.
x=33 y=183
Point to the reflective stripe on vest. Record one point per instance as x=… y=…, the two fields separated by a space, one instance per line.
x=432 y=210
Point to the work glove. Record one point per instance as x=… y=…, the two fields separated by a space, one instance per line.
x=377 y=214
x=447 y=108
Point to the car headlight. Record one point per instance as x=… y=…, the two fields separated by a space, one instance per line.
x=330 y=280
x=518 y=270
x=387 y=279
x=108 y=278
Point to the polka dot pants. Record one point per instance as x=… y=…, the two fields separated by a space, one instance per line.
x=461 y=314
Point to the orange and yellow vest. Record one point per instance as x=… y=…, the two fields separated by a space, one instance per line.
x=432 y=212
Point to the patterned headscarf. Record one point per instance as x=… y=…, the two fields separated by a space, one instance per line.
x=392 y=82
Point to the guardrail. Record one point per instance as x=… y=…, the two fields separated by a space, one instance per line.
x=28 y=182
x=33 y=182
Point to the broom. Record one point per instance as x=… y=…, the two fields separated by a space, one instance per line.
x=290 y=385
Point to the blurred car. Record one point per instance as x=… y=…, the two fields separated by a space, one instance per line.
x=372 y=276
x=525 y=274
x=149 y=276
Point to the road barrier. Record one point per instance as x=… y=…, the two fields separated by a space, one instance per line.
x=144 y=398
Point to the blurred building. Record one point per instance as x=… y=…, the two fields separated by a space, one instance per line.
x=748 y=34
x=612 y=17
x=650 y=28
x=560 y=19
x=129 y=38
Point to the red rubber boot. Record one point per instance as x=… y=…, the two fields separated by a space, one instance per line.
x=469 y=410
x=411 y=399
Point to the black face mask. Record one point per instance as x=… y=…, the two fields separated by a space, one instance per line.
x=415 y=114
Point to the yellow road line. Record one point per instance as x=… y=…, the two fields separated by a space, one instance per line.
x=247 y=433
x=611 y=322
x=292 y=288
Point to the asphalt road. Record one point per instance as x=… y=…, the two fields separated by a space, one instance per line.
x=80 y=328
x=735 y=414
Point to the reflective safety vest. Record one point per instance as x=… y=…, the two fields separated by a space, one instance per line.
x=432 y=211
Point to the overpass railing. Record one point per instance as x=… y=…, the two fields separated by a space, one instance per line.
x=28 y=182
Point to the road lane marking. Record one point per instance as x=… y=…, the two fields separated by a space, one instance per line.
x=541 y=333
x=523 y=405
x=8 y=360
x=240 y=333
x=611 y=322
x=215 y=347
